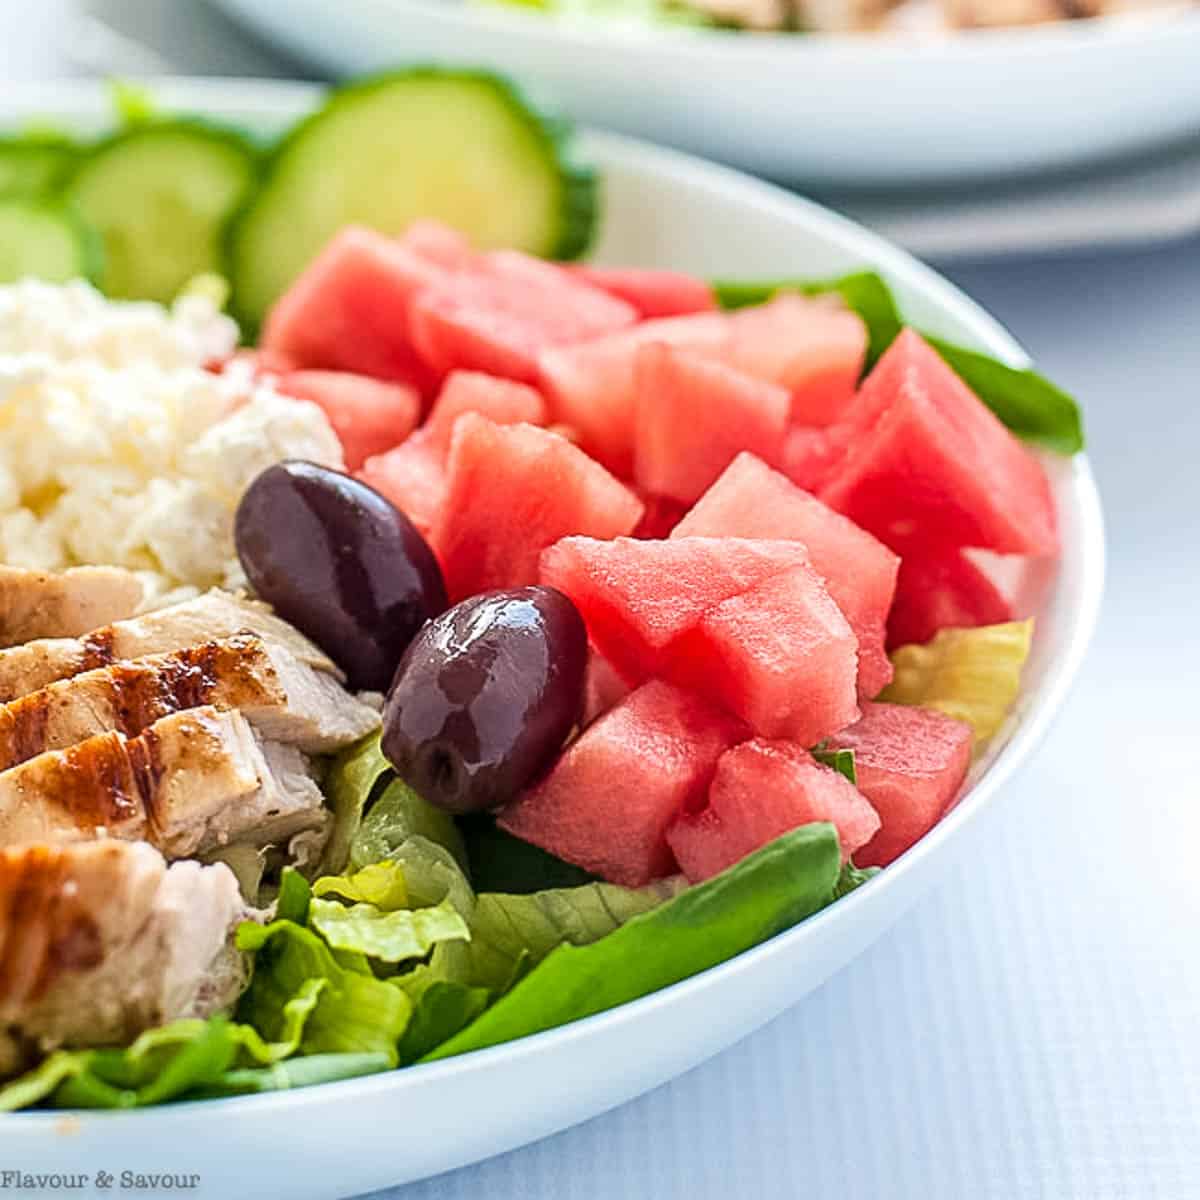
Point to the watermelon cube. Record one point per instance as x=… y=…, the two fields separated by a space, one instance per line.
x=637 y=597
x=368 y=415
x=501 y=400
x=412 y=477
x=694 y=416
x=930 y=461
x=513 y=490
x=653 y=293
x=762 y=789
x=779 y=655
x=910 y=764
x=809 y=453
x=812 y=346
x=592 y=385
x=751 y=500
x=348 y=310
x=941 y=588
x=500 y=315
x=603 y=687
x=660 y=517
x=606 y=804
x=439 y=244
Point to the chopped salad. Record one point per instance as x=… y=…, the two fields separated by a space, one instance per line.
x=489 y=640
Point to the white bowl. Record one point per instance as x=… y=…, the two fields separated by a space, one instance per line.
x=814 y=109
x=340 y=1139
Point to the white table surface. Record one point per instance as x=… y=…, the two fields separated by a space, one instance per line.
x=1031 y=1030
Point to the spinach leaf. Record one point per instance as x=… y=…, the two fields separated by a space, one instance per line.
x=842 y=761
x=772 y=889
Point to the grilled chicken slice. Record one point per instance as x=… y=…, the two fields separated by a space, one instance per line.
x=191 y=782
x=216 y=614
x=100 y=941
x=61 y=604
x=280 y=696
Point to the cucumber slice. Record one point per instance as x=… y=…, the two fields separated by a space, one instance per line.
x=33 y=166
x=159 y=195
x=45 y=239
x=460 y=146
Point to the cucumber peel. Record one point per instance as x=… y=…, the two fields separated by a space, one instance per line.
x=46 y=239
x=159 y=195
x=461 y=146
x=34 y=165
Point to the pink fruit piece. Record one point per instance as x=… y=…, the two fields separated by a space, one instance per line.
x=910 y=764
x=500 y=315
x=762 y=789
x=940 y=588
x=653 y=293
x=368 y=415
x=637 y=597
x=348 y=310
x=412 y=477
x=753 y=501
x=694 y=416
x=603 y=687
x=501 y=400
x=512 y=491
x=779 y=655
x=924 y=458
x=606 y=804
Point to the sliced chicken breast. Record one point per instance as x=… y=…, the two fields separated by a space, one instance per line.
x=101 y=940
x=191 y=782
x=283 y=699
x=62 y=604
x=216 y=614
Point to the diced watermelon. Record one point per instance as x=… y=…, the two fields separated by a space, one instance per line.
x=812 y=346
x=652 y=293
x=910 y=764
x=607 y=802
x=939 y=588
x=592 y=385
x=925 y=459
x=809 y=453
x=513 y=490
x=780 y=655
x=751 y=500
x=368 y=415
x=603 y=687
x=438 y=243
x=762 y=789
x=500 y=315
x=412 y=477
x=348 y=310
x=501 y=400
x=694 y=416
x=637 y=597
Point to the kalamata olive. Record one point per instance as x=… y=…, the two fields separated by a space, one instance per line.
x=485 y=696
x=341 y=563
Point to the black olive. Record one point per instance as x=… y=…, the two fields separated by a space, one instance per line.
x=485 y=696
x=341 y=563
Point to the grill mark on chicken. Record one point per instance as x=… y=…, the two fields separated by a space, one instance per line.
x=146 y=768
x=97 y=649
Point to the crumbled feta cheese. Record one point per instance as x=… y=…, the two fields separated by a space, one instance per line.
x=116 y=447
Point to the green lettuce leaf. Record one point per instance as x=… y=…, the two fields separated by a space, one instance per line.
x=381 y=884
x=294 y=1073
x=767 y=892
x=355 y=778
x=500 y=862
x=295 y=895
x=397 y=816
x=1028 y=404
x=390 y=937
x=344 y=1010
x=441 y=1008
x=851 y=878
x=842 y=761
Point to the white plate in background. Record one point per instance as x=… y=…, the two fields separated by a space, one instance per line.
x=802 y=109
x=662 y=209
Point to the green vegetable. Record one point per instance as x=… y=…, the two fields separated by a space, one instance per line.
x=457 y=145
x=440 y=1009
x=841 y=761
x=1031 y=406
x=500 y=862
x=293 y=1073
x=398 y=816
x=355 y=778
x=390 y=937
x=973 y=675
x=636 y=13
x=852 y=878
x=45 y=239
x=34 y=165
x=295 y=897
x=301 y=991
x=381 y=884
x=159 y=194
x=772 y=889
